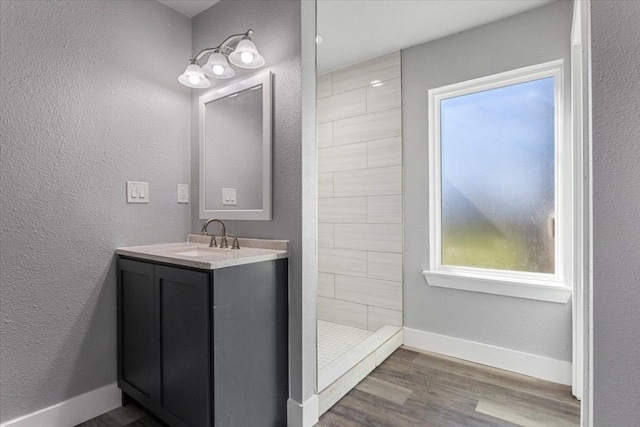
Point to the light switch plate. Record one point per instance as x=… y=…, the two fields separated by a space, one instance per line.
x=137 y=192
x=229 y=196
x=183 y=193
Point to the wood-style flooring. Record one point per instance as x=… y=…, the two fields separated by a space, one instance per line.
x=412 y=388
x=125 y=416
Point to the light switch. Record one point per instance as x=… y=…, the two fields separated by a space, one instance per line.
x=183 y=193
x=137 y=192
x=229 y=196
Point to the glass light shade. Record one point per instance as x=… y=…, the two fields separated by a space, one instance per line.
x=194 y=77
x=218 y=67
x=240 y=56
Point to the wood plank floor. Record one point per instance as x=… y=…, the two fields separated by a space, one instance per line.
x=125 y=416
x=412 y=388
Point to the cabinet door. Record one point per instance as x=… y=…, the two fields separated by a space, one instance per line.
x=138 y=358
x=185 y=344
x=250 y=345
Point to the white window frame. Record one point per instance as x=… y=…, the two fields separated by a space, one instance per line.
x=555 y=287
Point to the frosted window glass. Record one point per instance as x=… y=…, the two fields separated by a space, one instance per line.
x=498 y=174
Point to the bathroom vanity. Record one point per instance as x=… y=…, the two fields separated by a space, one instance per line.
x=202 y=332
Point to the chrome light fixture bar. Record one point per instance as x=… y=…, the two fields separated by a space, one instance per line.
x=238 y=48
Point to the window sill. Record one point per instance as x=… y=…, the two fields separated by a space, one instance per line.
x=498 y=286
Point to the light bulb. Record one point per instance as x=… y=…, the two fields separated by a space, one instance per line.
x=193 y=77
x=218 y=70
x=246 y=57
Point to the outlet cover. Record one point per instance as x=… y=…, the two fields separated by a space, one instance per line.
x=229 y=196
x=183 y=193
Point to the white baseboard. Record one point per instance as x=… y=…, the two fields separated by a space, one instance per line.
x=302 y=415
x=557 y=371
x=73 y=411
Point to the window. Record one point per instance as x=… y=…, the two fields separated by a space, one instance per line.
x=500 y=185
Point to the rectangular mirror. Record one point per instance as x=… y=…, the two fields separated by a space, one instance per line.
x=235 y=150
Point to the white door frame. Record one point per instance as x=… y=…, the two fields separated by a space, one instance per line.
x=581 y=133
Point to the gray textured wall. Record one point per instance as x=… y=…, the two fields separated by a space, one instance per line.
x=276 y=25
x=615 y=38
x=89 y=100
x=530 y=326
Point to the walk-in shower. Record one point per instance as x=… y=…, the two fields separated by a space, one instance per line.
x=359 y=222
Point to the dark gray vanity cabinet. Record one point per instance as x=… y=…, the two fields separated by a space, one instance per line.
x=203 y=348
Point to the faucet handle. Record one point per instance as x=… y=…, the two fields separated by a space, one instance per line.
x=235 y=244
x=213 y=243
x=223 y=242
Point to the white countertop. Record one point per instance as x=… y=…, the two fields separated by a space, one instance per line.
x=196 y=253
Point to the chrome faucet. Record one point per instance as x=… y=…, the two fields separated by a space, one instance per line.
x=213 y=243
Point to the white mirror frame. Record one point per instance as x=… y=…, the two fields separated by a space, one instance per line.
x=263 y=214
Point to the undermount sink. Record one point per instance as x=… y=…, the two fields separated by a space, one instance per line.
x=196 y=253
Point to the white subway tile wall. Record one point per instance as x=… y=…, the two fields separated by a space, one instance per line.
x=384 y=209
x=342 y=158
x=372 y=292
x=342 y=261
x=385 y=266
x=326 y=285
x=325 y=235
x=342 y=210
x=380 y=69
x=342 y=312
x=368 y=182
x=360 y=194
x=325 y=86
x=369 y=237
x=384 y=152
x=383 y=97
x=325 y=185
x=343 y=105
x=325 y=135
x=368 y=127
x=378 y=317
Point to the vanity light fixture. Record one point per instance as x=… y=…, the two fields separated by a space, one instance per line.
x=238 y=48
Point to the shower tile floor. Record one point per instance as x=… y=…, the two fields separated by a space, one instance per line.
x=346 y=355
x=334 y=340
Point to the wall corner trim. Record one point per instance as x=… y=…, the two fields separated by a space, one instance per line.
x=557 y=371
x=73 y=411
x=302 y=414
